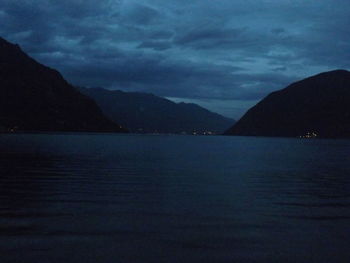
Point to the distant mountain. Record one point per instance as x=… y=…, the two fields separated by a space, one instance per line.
x=147 y=113
x=34 y=97
x=316 y=106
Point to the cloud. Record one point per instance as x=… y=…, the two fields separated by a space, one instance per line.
x=141 y=15
x=209 y=37
x=220 y=50
x=156 y=45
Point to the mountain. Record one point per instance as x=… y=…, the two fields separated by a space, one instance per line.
x=147 y=113
x=316 y=106
x=34 y=97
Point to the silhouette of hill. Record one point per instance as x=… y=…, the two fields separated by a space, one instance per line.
x=34 y=97
x=318 y=106
x=147 y=113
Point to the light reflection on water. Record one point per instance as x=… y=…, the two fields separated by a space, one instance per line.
x=127 y=198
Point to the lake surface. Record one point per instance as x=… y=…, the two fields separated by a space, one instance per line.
x=141 y=198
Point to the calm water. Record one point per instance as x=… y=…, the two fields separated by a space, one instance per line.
x=127 y=198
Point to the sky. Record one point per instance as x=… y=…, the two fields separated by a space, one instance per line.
x=222 y=54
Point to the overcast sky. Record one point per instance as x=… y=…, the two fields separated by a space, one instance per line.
x=222 y=54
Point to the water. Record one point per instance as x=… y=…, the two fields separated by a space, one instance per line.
x=135 y=198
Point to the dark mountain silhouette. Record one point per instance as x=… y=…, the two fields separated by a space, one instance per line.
x=147 y=113
x=34 y=97
x=318 y=105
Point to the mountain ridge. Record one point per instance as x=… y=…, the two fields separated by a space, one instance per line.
x=34 y=97
x=148 y=113
x=315 y=105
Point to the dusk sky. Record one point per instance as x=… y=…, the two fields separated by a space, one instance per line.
x=222 y=54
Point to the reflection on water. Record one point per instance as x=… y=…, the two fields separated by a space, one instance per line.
x=125 y=198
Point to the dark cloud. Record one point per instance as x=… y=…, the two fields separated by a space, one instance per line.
x=199 y=50
x=156 y=45
x=161 y=34
x=140 y=15
x=209 y=37
x=278 y=31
